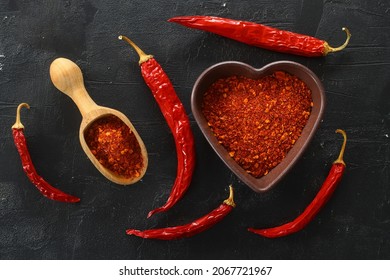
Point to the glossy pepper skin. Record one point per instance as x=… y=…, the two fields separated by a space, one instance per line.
x=175 y=115
x=328 y=187
x=199 y=225
x=43 y=186
x=260 y=35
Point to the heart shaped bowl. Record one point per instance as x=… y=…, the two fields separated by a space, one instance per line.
x=234 y=68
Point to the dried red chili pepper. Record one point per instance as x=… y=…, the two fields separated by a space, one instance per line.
x=327 y=189
x=177 y=119
x=21 y=145
x=260 y=35
x=188 y=230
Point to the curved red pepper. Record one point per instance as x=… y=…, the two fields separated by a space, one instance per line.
x=191 y=229
x=177 y=120
x=21 y=145
x=326 y=191
x=260 y=35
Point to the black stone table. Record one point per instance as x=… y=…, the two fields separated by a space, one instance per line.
x=355 y=224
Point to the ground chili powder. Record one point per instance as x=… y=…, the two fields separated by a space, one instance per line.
x=115 y=146
x=258 y=121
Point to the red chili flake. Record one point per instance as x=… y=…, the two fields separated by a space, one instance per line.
x=115 y=146
x=258 y=121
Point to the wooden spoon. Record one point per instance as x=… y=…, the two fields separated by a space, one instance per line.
x=68 y=78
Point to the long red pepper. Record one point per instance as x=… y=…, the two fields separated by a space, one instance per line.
x=260 y=35
x=21 y=145
x=190 y=229
x=177 y=119
x=326 y=191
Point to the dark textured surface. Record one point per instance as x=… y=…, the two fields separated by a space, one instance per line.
x=355 y=224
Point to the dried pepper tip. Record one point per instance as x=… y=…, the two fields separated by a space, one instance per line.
x=340 y=158
x=229 y=201
x=328 y=49
x=18 y=124
x=142 y=56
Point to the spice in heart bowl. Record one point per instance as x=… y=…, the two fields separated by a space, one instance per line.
x=258 y=121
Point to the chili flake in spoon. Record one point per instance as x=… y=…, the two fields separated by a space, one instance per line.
x=115 y=146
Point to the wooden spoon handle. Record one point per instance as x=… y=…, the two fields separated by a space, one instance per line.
x=68 y=78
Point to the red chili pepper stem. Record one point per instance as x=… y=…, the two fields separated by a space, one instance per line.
x=18 y=124
x=143 y=57
x=230 y=200
x=341 y=155
x=329 y=49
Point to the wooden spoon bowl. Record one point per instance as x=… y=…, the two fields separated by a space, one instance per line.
x=68 y=78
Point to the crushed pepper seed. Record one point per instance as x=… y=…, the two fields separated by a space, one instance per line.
x=258 y=121
x=115 y=146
